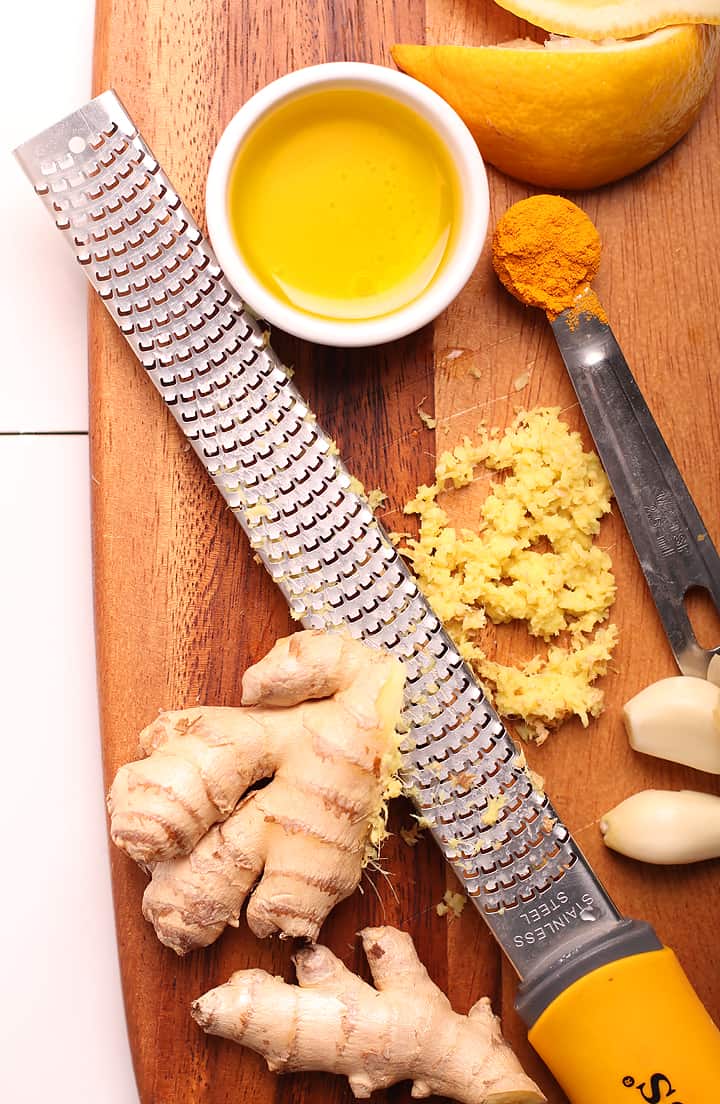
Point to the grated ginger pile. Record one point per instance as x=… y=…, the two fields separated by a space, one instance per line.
x=531 y=558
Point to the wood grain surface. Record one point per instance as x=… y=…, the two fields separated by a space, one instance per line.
x=181 y=609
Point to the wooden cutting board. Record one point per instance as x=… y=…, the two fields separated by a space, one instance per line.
x=181 y=608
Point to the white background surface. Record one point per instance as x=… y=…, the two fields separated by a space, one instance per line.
x=62 y=1029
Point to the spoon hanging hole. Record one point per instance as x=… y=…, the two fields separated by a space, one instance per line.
x=704 y=617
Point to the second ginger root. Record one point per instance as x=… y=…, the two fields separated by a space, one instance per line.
x=318 y=719
x=403 y=1029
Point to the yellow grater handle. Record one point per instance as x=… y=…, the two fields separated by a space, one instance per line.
x=631 y=1032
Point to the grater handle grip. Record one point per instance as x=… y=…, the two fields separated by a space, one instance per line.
x=631 y=1032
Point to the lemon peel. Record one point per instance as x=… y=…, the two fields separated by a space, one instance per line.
x=598 y=19
x=573 y=115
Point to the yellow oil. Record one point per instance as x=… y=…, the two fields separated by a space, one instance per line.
x=343 y=203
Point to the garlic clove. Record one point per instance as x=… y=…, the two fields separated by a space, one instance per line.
x=678 y=719
x=665 y=826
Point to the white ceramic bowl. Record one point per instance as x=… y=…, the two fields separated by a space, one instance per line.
x=468 y=238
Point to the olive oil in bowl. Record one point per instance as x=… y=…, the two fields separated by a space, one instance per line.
x=343 y=203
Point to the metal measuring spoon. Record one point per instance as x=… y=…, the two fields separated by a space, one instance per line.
x=669 y=536
x=546 y=252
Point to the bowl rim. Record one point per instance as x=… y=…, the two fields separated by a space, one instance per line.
x=470 y=234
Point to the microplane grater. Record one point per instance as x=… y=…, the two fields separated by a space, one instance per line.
x=279 y=473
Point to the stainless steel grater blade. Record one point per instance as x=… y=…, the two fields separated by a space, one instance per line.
x=206 y=354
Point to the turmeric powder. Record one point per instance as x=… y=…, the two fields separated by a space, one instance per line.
x=546 y=251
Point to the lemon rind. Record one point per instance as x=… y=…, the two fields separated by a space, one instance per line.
x=614 y=20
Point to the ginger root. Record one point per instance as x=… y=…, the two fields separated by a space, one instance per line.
x=319 y=719
x=403 y=1029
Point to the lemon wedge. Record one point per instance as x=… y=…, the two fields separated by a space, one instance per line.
x=573 y=114
x=599 y=19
